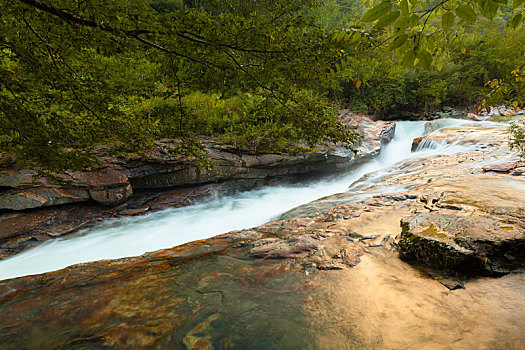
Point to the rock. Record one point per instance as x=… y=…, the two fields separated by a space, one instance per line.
x=267 y=287
x=116 y=180
x=14 y=178
x=474 y=244
x=430 y=127
x=375 y=134
x=97 y=180
x=111 y=196
x=520 y=170
x=474 y=117
x=161 y=171
x=452 y=284
x=387 y=134
x=505 y=167
x=460 y=135
x=39 y=197
x=416 y=142
x=288 y=249
x=27 y=190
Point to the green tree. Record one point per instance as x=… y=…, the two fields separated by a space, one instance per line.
x=75 y=75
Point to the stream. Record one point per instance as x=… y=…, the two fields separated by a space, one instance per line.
x=132 y=236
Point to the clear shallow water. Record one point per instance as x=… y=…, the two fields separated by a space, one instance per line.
x=137 y=235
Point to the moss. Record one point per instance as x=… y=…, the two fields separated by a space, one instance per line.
x=433 y=231
x=429 y=251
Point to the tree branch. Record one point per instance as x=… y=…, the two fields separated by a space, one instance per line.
x=134 y=34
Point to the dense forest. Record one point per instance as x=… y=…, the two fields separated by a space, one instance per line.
x=261 y=75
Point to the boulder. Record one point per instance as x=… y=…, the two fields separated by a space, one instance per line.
x=478 y=244
x=474 y=117
x=465 y=229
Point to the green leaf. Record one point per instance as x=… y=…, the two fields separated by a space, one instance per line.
x=466 y=13
x=515 y=21
x=376 y=11
x=401 y=24
x=413 y=20
x=356 y=37
x=489 y=8
x=447 y=20
x=388 y=19
x=403 y=6
x=425 y=58
x=408 y=58
x=398 y=41
x=517 y=3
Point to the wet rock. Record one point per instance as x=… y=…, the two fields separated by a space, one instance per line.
x=452 y=284
x=506 y=167
x=296 y=247
x=493 y=136
x=474 y=117
x=519 y=170
x=416 y=142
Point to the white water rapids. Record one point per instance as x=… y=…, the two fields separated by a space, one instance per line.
x=134 y=236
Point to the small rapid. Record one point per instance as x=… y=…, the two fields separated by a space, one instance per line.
x=134 y=236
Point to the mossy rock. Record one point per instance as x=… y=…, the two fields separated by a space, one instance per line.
x=475 y=244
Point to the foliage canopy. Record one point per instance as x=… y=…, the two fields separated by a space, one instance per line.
x=76 y=74
x=263 y=75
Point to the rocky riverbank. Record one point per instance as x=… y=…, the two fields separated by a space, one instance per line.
x=36 y=208
x=330 y=277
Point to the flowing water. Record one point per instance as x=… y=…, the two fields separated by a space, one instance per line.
x=164 y=229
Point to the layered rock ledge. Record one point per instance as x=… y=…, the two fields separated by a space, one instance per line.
x=114 y=182
x=72 y=201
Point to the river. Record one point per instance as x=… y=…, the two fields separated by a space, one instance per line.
x=134 y=236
